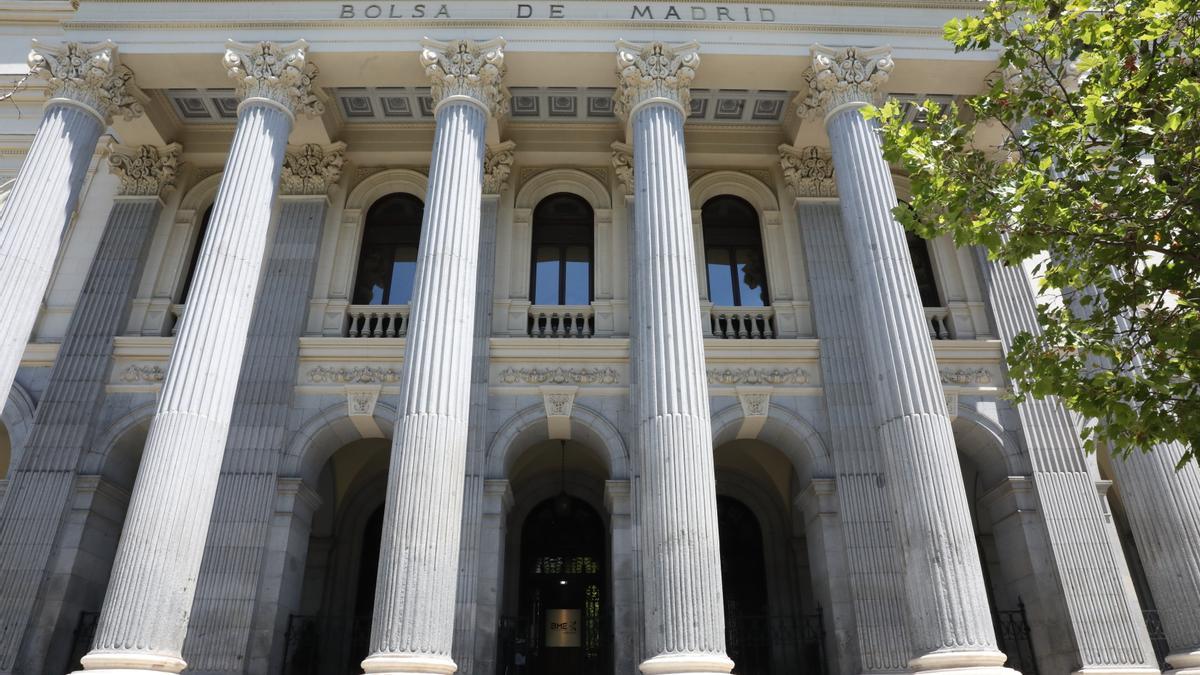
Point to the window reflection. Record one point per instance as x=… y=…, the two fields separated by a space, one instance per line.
x=387 y=263
x=561 y=273
x=737 y=274
x=187 y=282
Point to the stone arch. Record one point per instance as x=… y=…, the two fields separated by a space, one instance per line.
x=573 y=181
x=735 y=183
x=325 y=433
x=111 y=455
x=988 y=446
x=529 y=426
x=18 y=420
x=787 y=432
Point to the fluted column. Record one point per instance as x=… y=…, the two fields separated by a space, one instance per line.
x=86 y=85
x=146 y=610
x=413 y=625
x=227 y=610
x=63 y=426
x=947 y=602
x=475 y=631
x=681 y=566
x=882 y=637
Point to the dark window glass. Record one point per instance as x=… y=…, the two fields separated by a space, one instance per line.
x=918 y=250
x=187 y=283
x=733 y=253
x=387 y=262
x=561 y=273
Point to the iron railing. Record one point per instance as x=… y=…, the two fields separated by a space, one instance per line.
x=1158 y=636
x=776 y=645
x=1013 y=638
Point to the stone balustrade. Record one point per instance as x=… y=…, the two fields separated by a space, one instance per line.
x=377 y=321
x=939 y=322
x=561 y=321
x=740 y=323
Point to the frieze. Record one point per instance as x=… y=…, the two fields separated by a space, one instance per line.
x=773 y=376
x=353 y=375
x=142 y=373
x=965 y=376
x=559 y=376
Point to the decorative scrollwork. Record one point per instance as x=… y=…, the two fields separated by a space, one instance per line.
x=845 y=76
x=808 y=171
x=353 y=375
x=757 y=376
x=465 y=68
x=279 y=73
x=497 y=164
x=654 y=71
x=88 y=74
x=559 y=376
x=146 y=171
x=312 y=169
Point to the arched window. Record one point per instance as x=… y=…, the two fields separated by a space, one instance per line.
x=733 y=253
x=918 y=250
x=187 y=282
x=561 y=273
x=387 y=261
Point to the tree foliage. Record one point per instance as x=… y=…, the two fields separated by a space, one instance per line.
x=1081 y=155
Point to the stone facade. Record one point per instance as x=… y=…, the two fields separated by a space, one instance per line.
x=307 y=374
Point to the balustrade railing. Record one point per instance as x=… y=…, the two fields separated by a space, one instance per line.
x=1158 y=637
x=377 y=321
x=742 y=323
x=937 y=320
x=577 y=321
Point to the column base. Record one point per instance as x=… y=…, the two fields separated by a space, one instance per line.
x=1184 y=663
x=950 y=662
x=129 y=663
x=686 y=664
x=408 y=664
x=1117 y=670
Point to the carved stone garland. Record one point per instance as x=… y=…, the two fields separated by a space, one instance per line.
x=145 y=171
x=844 y=76
x=654 y=71
x=312 y=169
x=88 y=74
x=467 y=69
x=278 y=73
x=808 y=171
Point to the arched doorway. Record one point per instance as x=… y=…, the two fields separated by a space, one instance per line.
x=743 y=580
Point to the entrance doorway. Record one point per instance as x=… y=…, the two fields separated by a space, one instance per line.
x=564 y=627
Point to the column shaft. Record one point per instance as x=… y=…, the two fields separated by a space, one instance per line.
x=42 y=202
x=414 y=602
x=680 y=545
x=224 y=609
x=1107 y=630
x=153 y=581
x=947 y=601
x=468 y=627
x=40 y=487
x=871 y=540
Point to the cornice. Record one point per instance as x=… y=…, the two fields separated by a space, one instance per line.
x=905 y=4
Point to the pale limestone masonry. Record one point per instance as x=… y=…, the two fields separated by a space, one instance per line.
x=843 y=483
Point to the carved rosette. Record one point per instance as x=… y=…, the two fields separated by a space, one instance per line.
x=145 y=171
x=278 y=73
x=654 y=72
x=808 y=171
x=497 y=165
x=312 y=169
x=845 y=76
x=88 y=74
x=465 y=68
x=622 y=161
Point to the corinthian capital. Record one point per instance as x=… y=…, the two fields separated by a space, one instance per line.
x=497 y=164
x=145 y=171
x=311 y=169
x=465 y=69
x=808 y=171
x=622 y=161
x=278 y=73
x=87 y=74
x=654 y=72
x=845 y=76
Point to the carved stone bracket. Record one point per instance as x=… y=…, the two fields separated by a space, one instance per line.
x=497 y=165
x=622 y=161
x=278 y=73
x=467 y=69
x=360 y=407
x=654 y=72
x=311 y=169
x=808 y=171
x=846 y=76
x=756 y=405
x=558 y=401
x=145 y=171
x=90 y=75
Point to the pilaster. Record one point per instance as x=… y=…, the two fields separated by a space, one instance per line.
x=145 y=616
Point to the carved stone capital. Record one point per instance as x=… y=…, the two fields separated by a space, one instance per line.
x=278 y=73
x=312 y=169
x=654 y=72
x=845 y=76
x=89 y=75
x=808 y=171
x=145 y=171
x=622 y=161
x=465 y=69
x=497 y=164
